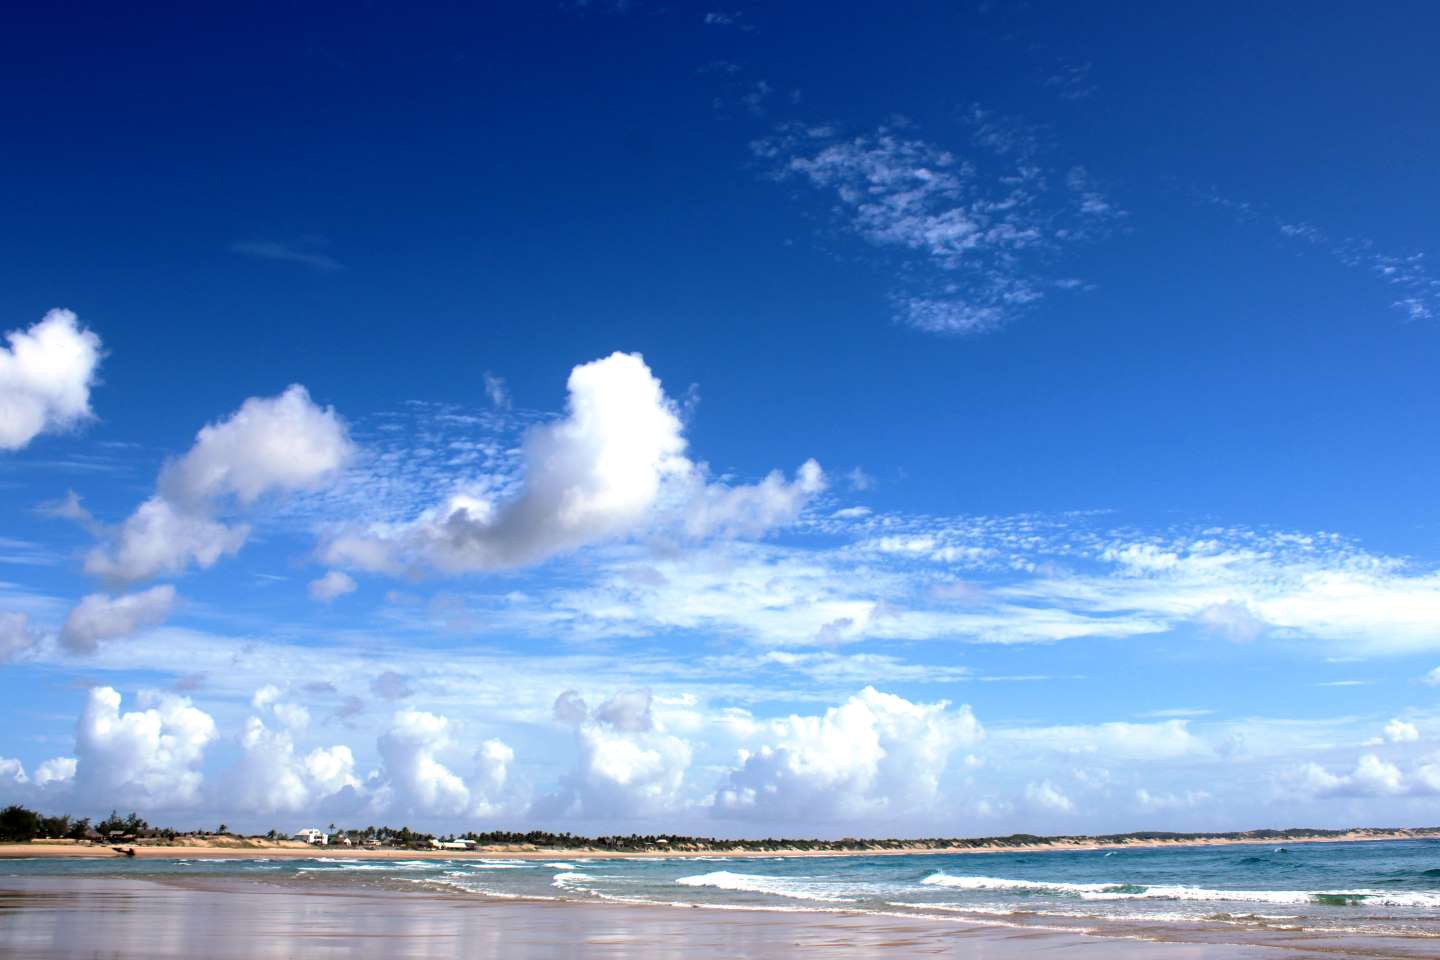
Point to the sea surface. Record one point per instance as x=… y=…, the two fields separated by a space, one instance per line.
x=1369 y=889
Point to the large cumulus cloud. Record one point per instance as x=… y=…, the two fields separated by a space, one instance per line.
x=877 y=754
x=614 y=465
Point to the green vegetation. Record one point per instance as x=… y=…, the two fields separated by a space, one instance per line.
x=562 y=841
x=19 y=824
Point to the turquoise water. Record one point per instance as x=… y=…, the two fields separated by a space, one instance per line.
x=1389 y=888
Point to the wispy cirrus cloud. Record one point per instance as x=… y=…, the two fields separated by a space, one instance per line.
x=974 y=231
x=306 y=253
x=1072 y=81
x=1413 y=284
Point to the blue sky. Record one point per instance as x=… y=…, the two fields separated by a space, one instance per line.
x=726 y=419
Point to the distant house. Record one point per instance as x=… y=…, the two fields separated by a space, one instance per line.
x=454 y=844
x=316 y=838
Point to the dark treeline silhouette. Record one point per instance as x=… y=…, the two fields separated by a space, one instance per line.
x=19 y=824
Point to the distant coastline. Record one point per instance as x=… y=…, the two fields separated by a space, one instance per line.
x=229 y=847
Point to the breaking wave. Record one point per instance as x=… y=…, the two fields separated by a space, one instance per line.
x=753 y=883
x=1134 y=891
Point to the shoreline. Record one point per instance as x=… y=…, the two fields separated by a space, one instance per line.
x=244 y=850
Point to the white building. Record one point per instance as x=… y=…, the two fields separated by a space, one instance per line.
x=455 y=844
x=310 y=835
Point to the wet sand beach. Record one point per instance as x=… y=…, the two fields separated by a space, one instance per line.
x=48 y=918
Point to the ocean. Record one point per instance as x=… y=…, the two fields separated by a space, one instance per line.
x=1370 y=889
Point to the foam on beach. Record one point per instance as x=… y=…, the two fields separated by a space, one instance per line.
x=1131 y=891
x=752 y=883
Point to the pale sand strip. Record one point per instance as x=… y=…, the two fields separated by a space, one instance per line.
x=198 y=847
x=53 y=918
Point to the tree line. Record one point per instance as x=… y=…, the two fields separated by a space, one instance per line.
x=20 y=824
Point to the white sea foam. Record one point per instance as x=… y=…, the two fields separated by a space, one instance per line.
x=998 y=883
x=1128 y=891
x=572 y=880
x=752 y=883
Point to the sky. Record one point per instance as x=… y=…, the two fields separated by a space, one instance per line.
x=919 y=419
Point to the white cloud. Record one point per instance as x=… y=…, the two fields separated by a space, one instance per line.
x=1232 y=620
x=861 y=481
x=158 y=538
x=628 y=764
x=333 y=585
x=588 y=477
x=628 y=711
x=1048 y=797
x=55 y=770
x=1416 y=289
x=45 y=378
x=1372 y=777
x=147 y=758
x=623 y=775
x=749 y=511
x=12 y=772
x=973 y=231
x=271 y=444
x=1284 y=586
x=614 y=466
x=17 y=638
x=267 y=778
x=1146 y=800
x=1399 y=731
x=270 y=777
x=1432 y=678
x=416 y=781
x=98 y=617
x=309 y=252
x=875 y=754
x=266 y=697
x=570 y=709
x=1169 y=739
x=292 y=716
x=331 y=769
x=497 y=391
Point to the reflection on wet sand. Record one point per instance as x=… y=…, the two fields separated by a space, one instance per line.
x=127 y=918
x=121 y=919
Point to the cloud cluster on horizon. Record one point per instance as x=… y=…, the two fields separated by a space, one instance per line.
x=875 y=758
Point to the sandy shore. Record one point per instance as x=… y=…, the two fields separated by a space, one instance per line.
x=196 y=847
x=50 y=918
